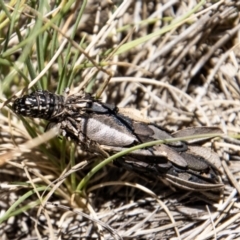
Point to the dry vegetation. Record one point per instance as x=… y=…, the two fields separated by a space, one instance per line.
x=177 y=61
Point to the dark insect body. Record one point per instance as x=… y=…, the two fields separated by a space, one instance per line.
x=96 y=126
x=39 y=104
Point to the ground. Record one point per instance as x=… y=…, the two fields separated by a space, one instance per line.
x=175 y=61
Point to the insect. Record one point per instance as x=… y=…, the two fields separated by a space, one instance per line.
x=96 y=125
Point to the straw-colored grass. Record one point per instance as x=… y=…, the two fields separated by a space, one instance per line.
x=176 y=61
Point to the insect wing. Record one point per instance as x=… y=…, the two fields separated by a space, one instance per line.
x=106 y=130
x=197 y=131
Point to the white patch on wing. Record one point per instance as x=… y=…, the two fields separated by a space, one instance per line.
x=105 y=134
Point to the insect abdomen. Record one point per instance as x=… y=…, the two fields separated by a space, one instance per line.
x=39 y=104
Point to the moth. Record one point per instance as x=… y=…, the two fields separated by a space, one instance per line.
x=100 y=126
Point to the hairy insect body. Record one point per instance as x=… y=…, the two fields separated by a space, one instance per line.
x=96 y=125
